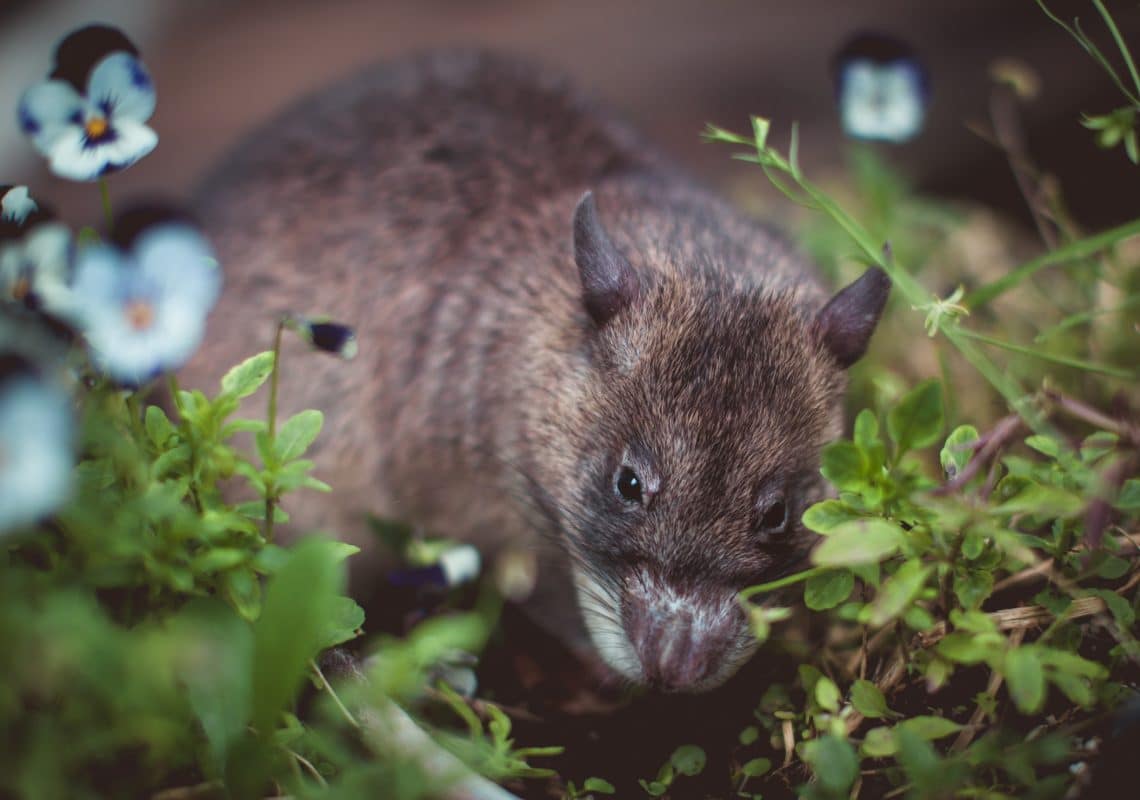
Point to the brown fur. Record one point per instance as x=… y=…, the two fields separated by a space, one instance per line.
x=428 y=203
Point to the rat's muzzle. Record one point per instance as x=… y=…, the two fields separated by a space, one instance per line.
x=686 y=640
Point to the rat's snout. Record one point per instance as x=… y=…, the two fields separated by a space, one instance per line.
x=686 y=641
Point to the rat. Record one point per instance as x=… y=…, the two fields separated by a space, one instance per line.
x=566 y=346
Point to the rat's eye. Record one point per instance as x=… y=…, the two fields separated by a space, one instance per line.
x=773 y=516
x=628 y=485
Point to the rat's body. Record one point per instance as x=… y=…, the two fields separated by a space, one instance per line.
x=513 y=375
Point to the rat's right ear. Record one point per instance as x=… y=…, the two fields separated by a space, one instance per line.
x=609 y=283
x=846 y=323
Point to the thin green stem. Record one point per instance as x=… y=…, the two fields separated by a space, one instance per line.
x=271 y=423
x=1081 y=248
x=105 y=195
x=787 y=580
x=1078 y=363
x=1124 y=53
x=332 y=693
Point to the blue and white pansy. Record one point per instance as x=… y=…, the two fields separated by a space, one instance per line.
x=882 y=88
x=142 y=299
x=36 y=445
x=35 y=254
x=89 y=118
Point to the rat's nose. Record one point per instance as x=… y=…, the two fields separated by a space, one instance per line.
x=682 y=640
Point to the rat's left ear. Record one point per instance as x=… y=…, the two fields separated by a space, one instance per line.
x=609 y=283
x=846 y=323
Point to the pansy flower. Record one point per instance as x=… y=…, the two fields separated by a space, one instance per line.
x=324 y=334
x=141 y=299
x=36 y=454
x=882 y=88
x=88 y=119
x=35 y=254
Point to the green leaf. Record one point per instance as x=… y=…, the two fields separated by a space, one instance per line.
x=1129 y=497
x=868 y=700
x=1026 y=678
x=1120 y=608
x=248 y=376
x=861 y=541
x=844 y=465
x=973 y=586
x=299 y=600
x=297 y=433
x=957 y=452
x=1045 y=445
x=899 y=591
x=598 y=785
x=967 y=648
x=749 y=735
x=929 y=728
x=653 y=788
x=867 y=439
x=916 y=421
x=755 y=767
x=825 y=516
x=343 y=624
x=688 y=759
x=829 y=589
x=158 y=428
x=1044 y=501
x=879 y=743
x=833 y=761
x=919 y=759
x=827 y=694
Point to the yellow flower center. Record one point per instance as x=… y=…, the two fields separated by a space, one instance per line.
x=140 y=315
x=96 y=127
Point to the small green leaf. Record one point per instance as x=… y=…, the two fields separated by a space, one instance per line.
x=1129 y=497
x=598 y=785
x=929 y=728
x=973 y=586
x=755 y=767
x=829 y=589
x=749 y=735
x=967 y=648
x=833 y=761
x=916 y=421
x=825 y=516
x=688 y=759
x=1120 y=608
x=879 y=743
x=343 y=624
x=158 y=428
x=861 y=541
x=868 y=700
x=827 y=694
x=248 y=376
x=1045 y=445
x=297 y=433
x=844 y=465
x=1044 y=501
x=899 y=591
x=1026 y=678
x=653 y=788
x=957 y=451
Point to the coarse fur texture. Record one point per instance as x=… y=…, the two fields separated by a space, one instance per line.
x=526 y=349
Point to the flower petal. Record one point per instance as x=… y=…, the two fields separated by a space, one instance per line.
x=72 y=158
x=132 y=141
x=35 y=437
x=17 y=204
x=121 y=87
x=49 y=109
x=179 y=259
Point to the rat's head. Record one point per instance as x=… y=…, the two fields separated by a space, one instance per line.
x=706 y=405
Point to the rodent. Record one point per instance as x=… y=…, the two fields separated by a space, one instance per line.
x=565 y=344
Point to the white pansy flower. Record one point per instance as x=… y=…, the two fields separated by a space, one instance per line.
x=16 y=204
x=35 y=449
x=89 y=119
x=882 y=89
x=142 y=302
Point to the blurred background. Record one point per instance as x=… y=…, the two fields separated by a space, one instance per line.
x=222 y=67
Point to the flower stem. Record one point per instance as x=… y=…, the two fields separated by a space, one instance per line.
x=271 y=491
x=105 y=194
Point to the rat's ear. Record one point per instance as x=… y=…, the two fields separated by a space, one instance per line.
x=846 y=323
x=609 y=283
